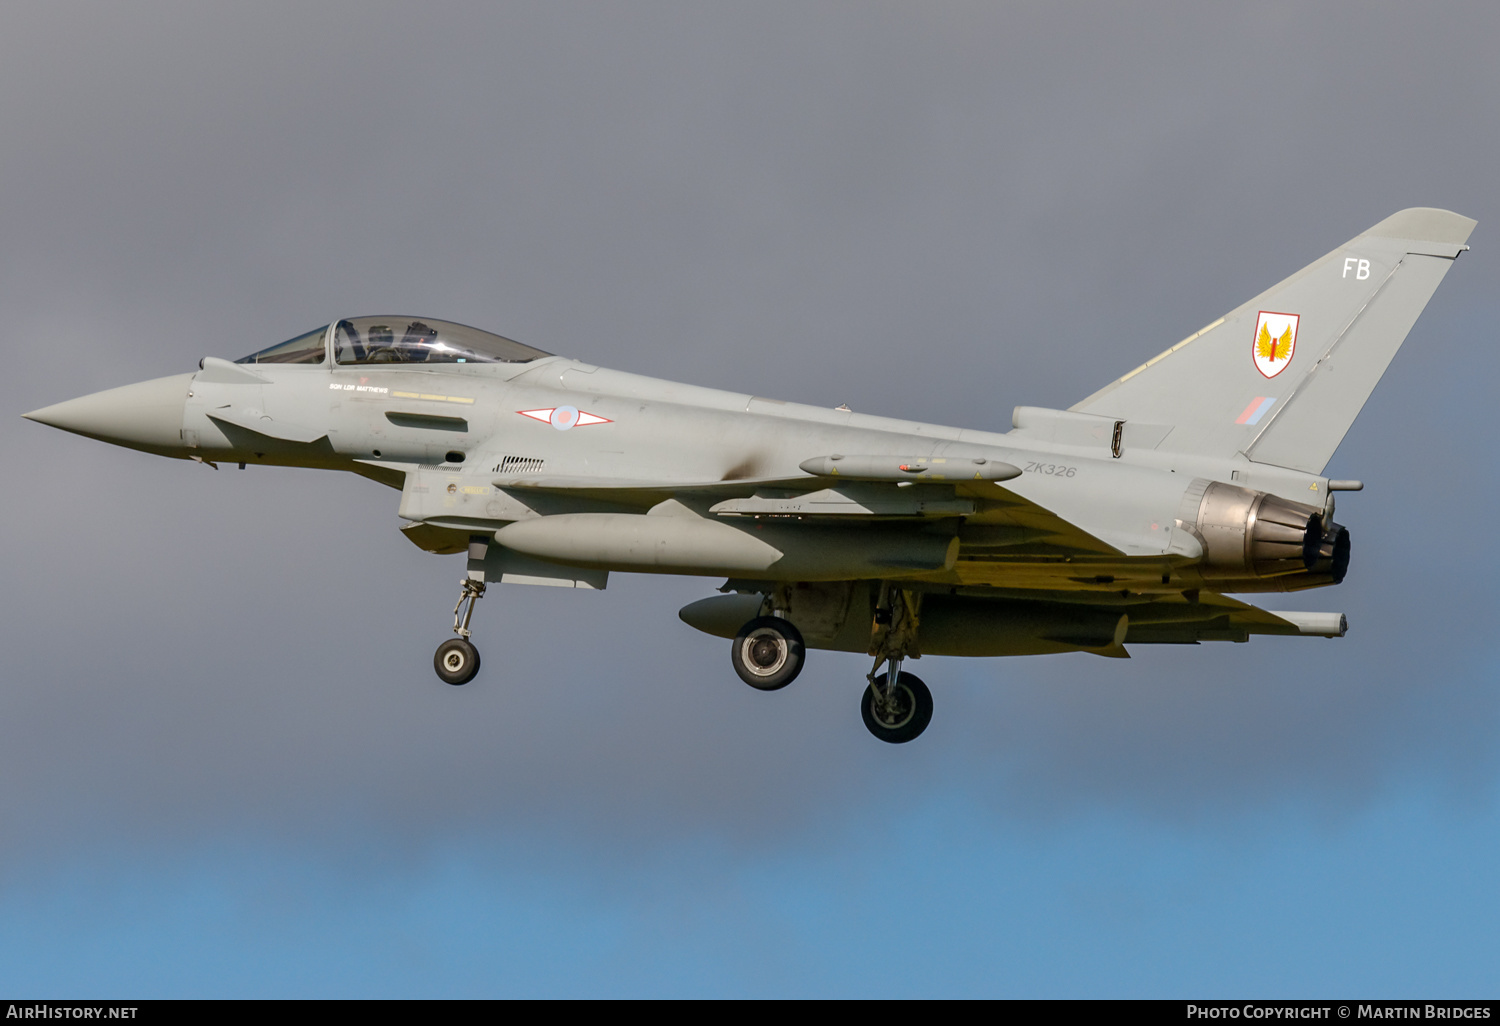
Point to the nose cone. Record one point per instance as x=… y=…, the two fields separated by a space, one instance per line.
x=146 y=415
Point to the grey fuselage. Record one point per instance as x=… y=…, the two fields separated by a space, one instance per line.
x=409 y=426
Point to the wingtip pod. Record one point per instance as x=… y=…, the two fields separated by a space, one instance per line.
x=1429 y=224
x=1321 y=625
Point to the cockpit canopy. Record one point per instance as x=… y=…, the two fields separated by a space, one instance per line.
x=369 y=340
x=409 y=340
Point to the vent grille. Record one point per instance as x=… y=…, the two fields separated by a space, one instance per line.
x=520 y=465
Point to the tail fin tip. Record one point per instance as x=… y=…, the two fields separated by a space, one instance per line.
x=1430 y=224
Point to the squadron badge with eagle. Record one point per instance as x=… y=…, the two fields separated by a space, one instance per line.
x=1275 y=341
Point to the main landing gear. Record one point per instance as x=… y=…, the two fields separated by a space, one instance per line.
x=768 y=653
x=896 y=706
x=457 y=660
x=896 y=714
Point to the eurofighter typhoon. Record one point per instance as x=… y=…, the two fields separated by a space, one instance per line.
x=1126 y=519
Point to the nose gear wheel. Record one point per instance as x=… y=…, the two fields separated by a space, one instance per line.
x=456 y=661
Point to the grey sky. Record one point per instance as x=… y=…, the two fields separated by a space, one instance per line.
x=931 y=211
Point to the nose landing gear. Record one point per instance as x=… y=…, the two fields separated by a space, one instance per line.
x=457 y=660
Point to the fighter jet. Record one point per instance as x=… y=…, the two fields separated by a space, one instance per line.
x=1127 y=519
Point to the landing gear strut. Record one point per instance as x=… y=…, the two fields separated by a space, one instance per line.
x=768 y=653
x=896 y=706
x=457 y=660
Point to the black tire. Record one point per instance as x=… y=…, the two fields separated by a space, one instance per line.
x=456 y=661
x=912 y=712
x=768 y=653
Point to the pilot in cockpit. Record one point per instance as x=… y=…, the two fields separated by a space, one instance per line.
x=378 y=347
x=417 y=343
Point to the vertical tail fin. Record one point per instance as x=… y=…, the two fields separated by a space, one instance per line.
x=1281 y=378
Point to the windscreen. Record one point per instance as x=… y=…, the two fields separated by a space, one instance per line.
x=302 y=349
x=369 y=340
